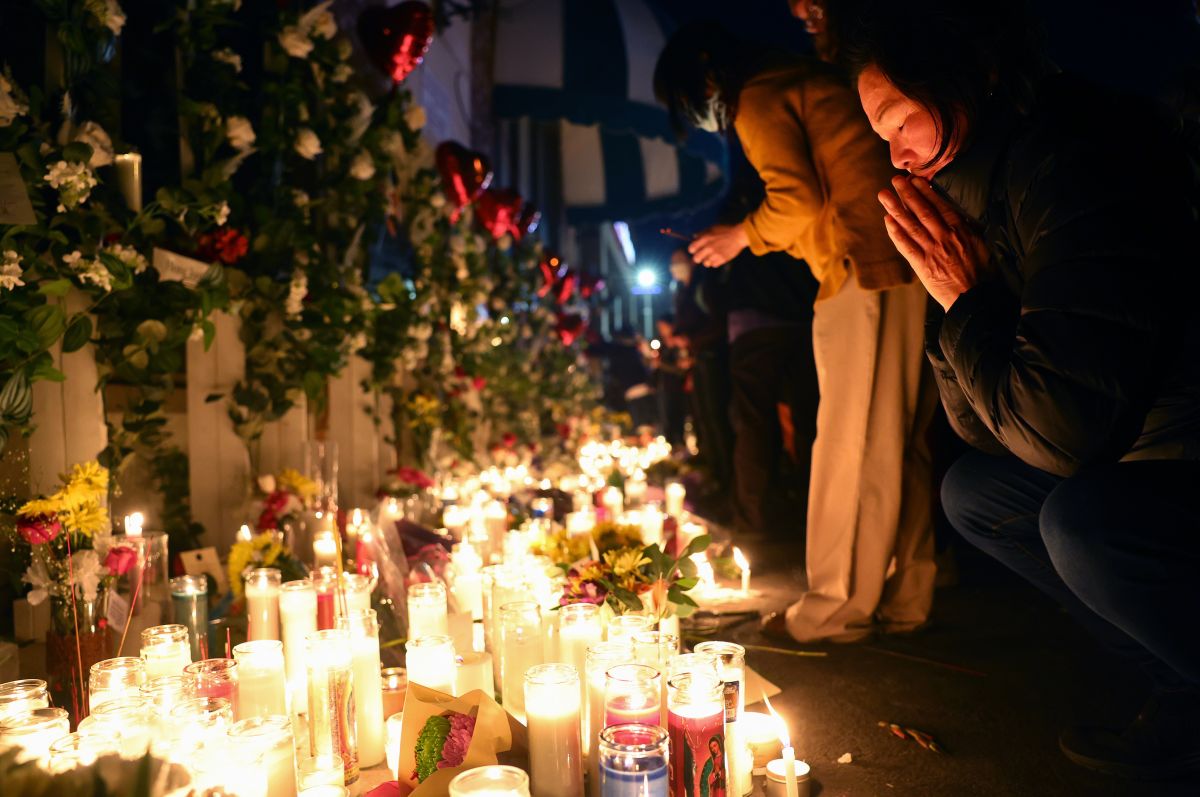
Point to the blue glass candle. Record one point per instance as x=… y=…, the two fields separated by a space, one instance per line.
x=189 y=606
x=633 y=761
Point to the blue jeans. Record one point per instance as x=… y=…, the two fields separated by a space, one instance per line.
x=1117 y=545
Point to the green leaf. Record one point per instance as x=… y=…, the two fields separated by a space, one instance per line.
x=210 y=333
x=698 y=545
x=78 y=333
x=687 y=568
x=77 y=152
x=16 y=398
x=47 y=322
x=686 y=583
x=46 y=371
x=57 y=287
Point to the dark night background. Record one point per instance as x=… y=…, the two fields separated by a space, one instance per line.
x=1133 y=45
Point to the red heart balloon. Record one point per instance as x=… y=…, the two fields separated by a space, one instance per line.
x=397 y=38
x=465 y=174
x=528 y=221
x=569 y=327
x=566 y=287
x=497 y=210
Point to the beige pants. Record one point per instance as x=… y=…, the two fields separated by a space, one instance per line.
x=870 y=534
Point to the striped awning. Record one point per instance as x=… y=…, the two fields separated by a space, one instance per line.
x=590 y=65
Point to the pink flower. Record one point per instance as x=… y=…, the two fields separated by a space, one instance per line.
x=120 y=558
x=414 y=477
x=479 y=383
x=39 y=528
x=454 y=751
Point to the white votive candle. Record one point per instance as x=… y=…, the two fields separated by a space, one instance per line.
x=475 y=672
x=552 y=708
x=324 y=549
x=368 y=684
x=521 y=647
x=298 y=619
x=269 y=738
x=430 y=662
x=601 y=657
x=166 y=650
x=395 y=726
x=262 y=603
x=675 y=495
x=427 y=610
x=262 y=690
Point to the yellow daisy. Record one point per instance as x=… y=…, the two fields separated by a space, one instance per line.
x=87 y=519
x=294 y=481
x=40 y=506
x=88 y=476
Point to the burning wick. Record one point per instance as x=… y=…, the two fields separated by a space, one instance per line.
x=789 y=754
x=133 y=524
x=244 y=534
x=744 y=565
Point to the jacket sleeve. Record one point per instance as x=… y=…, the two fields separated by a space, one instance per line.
x=1066 y=378
x=772 y=133
x=856 y=167
x=959 y=413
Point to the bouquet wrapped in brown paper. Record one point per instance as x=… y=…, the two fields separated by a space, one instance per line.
x=444 y=735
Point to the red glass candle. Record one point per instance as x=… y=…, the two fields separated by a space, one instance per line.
x=216 y=678
x=632 y=695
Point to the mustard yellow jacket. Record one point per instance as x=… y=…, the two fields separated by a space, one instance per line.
x=804 y=131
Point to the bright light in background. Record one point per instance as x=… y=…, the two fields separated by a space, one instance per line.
x=621 y=230
x=647 y=278
x=655 y=344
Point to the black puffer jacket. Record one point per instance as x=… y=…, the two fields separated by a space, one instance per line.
x=1083 y=345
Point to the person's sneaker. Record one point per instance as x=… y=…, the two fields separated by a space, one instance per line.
x=1162 y=743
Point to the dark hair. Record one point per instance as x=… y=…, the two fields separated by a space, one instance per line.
x=949 y=56
x=695 y=55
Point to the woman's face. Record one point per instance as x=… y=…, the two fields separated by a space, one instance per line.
x=909 y=128
x=714 y=750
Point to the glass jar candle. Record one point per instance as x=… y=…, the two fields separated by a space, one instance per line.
x=395 y=687
x=731 y=666
x=652 y=524
x=189 y=608
x=675 y=496
x=322 y=770
x=357 y=589
x=78 y=750
x=163 y=694
x=215 y=678
x=262 y=603
x=129 y=721
x=692 y=662
x=166 y=650
x=203 y=728
x=427 y=611
x=521 y=647
x=324 y=580
x=552 y=711
x=490 y=781
x=325 y=549
x=634 y=762
x=632 y=695
x=624 y=626
x=655 y=648
x=368 y=684
x=430 y=662
x=33 y=732
x=269 y=739
x=297 y=619
x=331 y=728
x=579 y=628
x=325 y=791
x=601 y=657
x=696 y=724
x=114 y=678
x=262 y=690
x=17 y=697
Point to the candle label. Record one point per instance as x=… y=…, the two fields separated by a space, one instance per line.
x=732 y=693
x=697 y=755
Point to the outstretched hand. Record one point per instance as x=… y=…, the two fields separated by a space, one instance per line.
x=719 y=244
x=938 y=241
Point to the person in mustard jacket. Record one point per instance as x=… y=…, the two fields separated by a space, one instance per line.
x=869 y=549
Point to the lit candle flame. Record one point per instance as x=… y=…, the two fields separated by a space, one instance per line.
x=742 y=562
x=356 y=518
x=704 y=570
x=133 y=524
x=783 y=732
x=244 y=534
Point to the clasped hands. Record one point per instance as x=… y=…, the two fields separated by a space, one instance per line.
x=938 y=241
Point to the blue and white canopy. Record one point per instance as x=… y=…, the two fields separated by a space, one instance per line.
x=590 y=65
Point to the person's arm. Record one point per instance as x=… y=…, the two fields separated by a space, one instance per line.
x=1066 y=379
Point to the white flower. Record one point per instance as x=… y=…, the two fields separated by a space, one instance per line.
x=228 y=56
x=324 y=25
x=134 y=260
x=341 y=73
x=94 y=136
x=300 y=198
x=295 y=42
x=72 y=258
x=240 y=133
x=74 y=182
x=10 y=108
x=362 y=167
x=308 y=146
x=88 y=570
x=362 y=118
x=414 y=117
x=10 y=271
x=438 y=200
x=222 y=214
x=38 y=577
x=297 y=290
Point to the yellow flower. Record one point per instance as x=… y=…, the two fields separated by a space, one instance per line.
x=88 y=476
x=296 y=482
x=71 y=496
x=625 y=561
x=87 y=519
x=40 y=506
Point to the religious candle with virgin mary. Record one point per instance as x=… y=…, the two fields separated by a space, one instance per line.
x=696 y=723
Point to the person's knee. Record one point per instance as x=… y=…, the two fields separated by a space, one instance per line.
x=962 y=487
x=1075 y=527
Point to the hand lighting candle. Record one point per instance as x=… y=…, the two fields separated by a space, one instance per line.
x=552 y=708
x=262 y=603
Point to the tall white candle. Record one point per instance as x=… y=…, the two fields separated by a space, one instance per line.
x=744 y=566
x=613 y=502
x=475 y=672
x=262 y=690
x=324 y=549
x=430 y=662
x=552 y=707
x=269 y=738
x=676 y=494
x=262 y=603
x=521 y=647
x=652 y=525
x=298 y=613
x=357 y=589
x=427 y=611
x=368 y=685
x=128 y=168
x=166 y=650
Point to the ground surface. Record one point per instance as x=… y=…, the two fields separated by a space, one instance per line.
x=1038 y=673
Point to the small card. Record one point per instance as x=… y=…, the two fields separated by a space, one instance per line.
x=118 y=610
x=204 y=561
x=178 y=268
x=758 y=688
x=15 y=207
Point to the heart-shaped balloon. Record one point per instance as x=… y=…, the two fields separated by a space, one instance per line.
x=497 y=210
x=527 y=222
x=397 y=38
x=569 y=327
x=465 y=174
x=566 y=287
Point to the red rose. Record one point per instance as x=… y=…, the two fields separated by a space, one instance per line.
x=479 y=383
x=414 y=477
x=39 y=528
x=120 y=558
x=459 y=372
x=226 y=244
x=267 y=521
x=509 y=439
